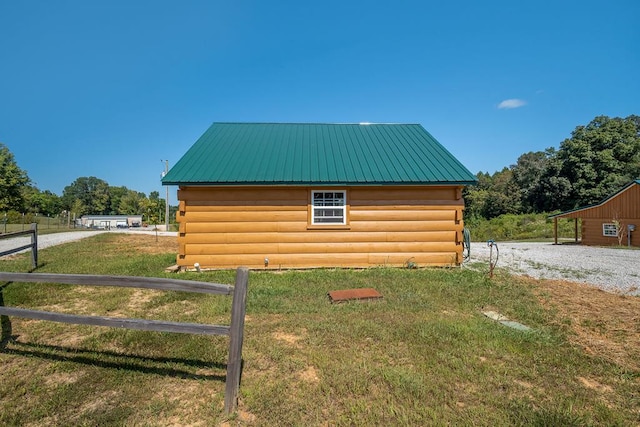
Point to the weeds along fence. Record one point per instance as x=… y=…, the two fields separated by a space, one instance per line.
x=15 y=221
x=33 y=232
x=235 y=330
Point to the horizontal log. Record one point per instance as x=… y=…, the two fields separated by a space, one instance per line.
x=252 y=207
x=244 y=216
x=199 y=194
x=120 y=281
x=244 y=227
x=409 y=204
x=139 y=324
x=293 y=249
x=357 y=215
x=302 y=226
x=347 y=260
x=386 y=193
x=425 y=199
x=319 y=237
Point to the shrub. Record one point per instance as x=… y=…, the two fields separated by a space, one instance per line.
x=517 y=227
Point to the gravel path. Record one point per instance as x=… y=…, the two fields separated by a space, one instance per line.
x=46 y=240
x=53 y=239
x=613 y=270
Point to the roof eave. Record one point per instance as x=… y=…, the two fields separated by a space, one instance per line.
x=320 y=183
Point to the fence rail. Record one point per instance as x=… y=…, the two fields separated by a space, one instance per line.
x=235 y=330
x=33 y=232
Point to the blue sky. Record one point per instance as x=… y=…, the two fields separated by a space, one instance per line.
x=112 y=89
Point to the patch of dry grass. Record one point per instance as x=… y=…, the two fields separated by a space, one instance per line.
x=603 y=324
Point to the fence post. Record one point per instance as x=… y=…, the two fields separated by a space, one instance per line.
x=236 y=335
x=34 y=245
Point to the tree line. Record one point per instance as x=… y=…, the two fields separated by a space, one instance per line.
x=594 y=163
x=85 y=195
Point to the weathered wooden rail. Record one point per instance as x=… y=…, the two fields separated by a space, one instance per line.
x=235 y=330
x=33 y=232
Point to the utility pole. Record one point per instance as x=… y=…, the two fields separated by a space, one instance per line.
x=166 y=200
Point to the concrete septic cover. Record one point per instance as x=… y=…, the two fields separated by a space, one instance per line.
x=506 y=322
x=354 y=294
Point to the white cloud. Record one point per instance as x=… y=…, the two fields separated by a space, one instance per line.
x=512 y=103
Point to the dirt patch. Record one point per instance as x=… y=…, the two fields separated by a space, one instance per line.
x=290 y=339
x=147 y=243
x=310 y=375
x=98 y=404
x=61 y=378
x=604 y=324
x=595 y=385
x=140 y=298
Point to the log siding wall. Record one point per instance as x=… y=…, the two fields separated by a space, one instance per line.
x=223 y=227
x=592 y=232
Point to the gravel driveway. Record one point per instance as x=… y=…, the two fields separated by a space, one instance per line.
x=613 y=270
x=53 y=239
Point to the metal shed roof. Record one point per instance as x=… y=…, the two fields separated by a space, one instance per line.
x=317 y=154
x=575 y=213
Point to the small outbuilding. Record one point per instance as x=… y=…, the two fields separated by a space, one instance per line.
x=107 y=222
x=279 y=195
x=613 y=221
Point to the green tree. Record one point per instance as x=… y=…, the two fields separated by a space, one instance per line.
x=527 y=174
x=493 y=196
x=12 y=181
x=503 y=196
x=553 y=190
x=150 y=209
x=600 y=158
x=91 y=191
x=115 y=196
x=475 y=196
x=77 y=209
x=130 y=203
x=41 y=202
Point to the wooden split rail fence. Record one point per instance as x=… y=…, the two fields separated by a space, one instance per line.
x=33 y=232
x=235 y=330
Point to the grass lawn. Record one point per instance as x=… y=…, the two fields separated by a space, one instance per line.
x=423 y=355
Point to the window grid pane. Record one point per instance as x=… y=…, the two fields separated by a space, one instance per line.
x=329 y=207
x=609 y=230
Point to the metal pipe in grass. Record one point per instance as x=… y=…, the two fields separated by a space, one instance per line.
x=492 y=262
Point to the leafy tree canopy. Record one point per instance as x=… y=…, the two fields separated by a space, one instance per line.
x=92 y=192
x=12 y=181
x=600 y=158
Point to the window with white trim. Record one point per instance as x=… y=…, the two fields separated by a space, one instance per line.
x=329 y=207
x=609 y=230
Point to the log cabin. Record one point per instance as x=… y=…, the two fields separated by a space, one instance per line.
x=611 y=222
x=306 y=195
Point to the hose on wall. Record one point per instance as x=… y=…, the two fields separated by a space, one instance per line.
x=466 y=244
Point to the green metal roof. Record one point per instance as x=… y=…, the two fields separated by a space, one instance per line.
x=317 y=154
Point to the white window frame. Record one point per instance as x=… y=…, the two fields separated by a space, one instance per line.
x=315 y=208
x=609 y=229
